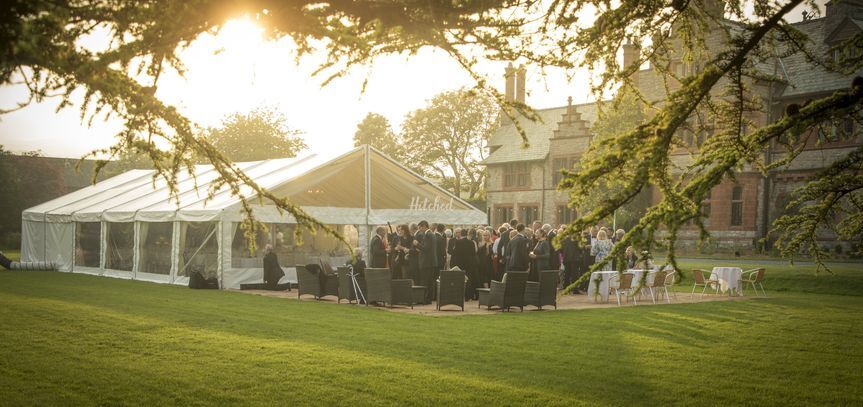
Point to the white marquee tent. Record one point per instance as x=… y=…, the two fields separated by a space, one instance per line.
x=129 y=226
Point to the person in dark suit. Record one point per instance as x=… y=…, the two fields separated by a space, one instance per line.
x=378 y=255
x=426 y=243
x=571 y=262
x=539 y=256
x=272 y=270
x=586 y=259
x=414 y=254
x=400 y=252
x=553 y=255
x=464 y=257
x=441 y=246
x=500 y=252
x=516 y=251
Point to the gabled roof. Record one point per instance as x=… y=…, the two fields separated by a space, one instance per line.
x=332 y=186
x=507 y=144
x=805 y=78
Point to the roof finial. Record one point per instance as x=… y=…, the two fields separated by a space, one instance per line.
x=569 y=100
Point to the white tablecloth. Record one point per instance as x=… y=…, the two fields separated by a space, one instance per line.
x=729 y=278
x=636 y=276
x=604 y=277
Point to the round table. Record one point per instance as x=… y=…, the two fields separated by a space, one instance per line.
x=729 y=279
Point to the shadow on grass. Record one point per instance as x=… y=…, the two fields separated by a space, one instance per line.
x=604 y=356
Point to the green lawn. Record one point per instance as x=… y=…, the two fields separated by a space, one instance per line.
x=71 y=339
x=846 y=279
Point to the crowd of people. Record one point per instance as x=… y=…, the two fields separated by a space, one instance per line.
x=418 y=251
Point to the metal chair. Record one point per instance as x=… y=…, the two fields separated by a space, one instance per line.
x=670 y=279
x=700 y=281
x=657 y=285
x=754 y=277
x=624 y=287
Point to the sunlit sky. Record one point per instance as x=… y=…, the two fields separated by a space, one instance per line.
x=237 y=70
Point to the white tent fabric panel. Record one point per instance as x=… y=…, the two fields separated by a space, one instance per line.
x=65 y=212
x=87 y=270
x=38 y=212
x=340 y=183
x=159 y=206
x=274 y=174
x=59 y=244
x=270 y=214
x=408 y=190
x=104 y=209
x=235 y=277
x=33 y=240
x=450 y=217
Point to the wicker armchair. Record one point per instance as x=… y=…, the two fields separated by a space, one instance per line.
x=542 y=292
x=382 y=289
x=310 y=283
x=505 y=294
x=346 y=286
x=450 y=288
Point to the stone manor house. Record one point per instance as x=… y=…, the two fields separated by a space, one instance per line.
x=522 y=182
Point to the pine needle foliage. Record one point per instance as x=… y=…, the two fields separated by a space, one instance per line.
x=40 y=48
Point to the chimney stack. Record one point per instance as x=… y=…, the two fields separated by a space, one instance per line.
x=519 y=84
x=631 y=55
x=509 y=75
x=714 y=8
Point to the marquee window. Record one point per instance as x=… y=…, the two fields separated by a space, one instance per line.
x=120 y=240
x=88 y=237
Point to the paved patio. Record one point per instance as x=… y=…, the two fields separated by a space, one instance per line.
x=567 y=302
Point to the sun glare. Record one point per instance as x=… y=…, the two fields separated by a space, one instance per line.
x=239 y=35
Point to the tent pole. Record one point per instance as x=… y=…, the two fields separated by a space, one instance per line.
x=74 y=246
x=368 y=189
x=221 y=249
x=175 y=250
x=103 y=246
x=136 y=255
x=45 y=241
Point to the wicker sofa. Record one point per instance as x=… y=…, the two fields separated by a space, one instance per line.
x=310 y=283
x=383 y=290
